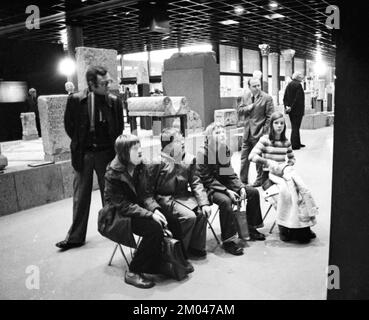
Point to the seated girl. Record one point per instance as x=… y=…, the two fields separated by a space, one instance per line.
x=296 y=209
x=121 y=182
x=224 y=188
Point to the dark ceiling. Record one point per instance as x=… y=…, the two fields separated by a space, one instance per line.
x=114 y=24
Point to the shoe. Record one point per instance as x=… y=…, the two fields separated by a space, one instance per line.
x=232 y=248
x=65 y=245
x=312 y=235
x=135 y=279
x=256 y=235
x=196 y=252
x=295 y=148
x=302 y=145
x=284 y=234
x=189 y=267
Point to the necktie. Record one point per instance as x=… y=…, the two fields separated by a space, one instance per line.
x=92 y=111
x=252 y=99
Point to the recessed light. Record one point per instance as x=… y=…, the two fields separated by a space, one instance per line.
x=223 y=40
x=228 y=22
x=273 y=5
x=239 y=10
x=274 y=16
x=318 y=35
x=165 y=38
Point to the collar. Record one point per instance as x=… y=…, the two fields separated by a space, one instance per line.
x=115 y=164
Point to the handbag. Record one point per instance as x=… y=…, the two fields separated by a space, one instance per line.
x=174 y=262
x=241 y=218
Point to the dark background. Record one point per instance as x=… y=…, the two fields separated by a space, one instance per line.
x=36 y=64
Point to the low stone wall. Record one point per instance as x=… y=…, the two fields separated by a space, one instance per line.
x=26 y=187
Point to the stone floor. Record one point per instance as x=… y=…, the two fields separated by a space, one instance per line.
x=268 y=270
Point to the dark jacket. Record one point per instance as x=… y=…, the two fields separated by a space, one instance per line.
x=122 y=195
x=32 y=105
x=77 y=123
x=256 y=121
x=294 y=97
x=216 y=171
x=165 y=181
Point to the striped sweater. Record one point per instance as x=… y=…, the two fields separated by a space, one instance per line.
x=278 y=151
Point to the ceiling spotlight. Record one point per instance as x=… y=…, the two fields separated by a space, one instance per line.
x=239 y=10
x=67 y=66
x=318 y=35
x=273 y=5
x=228 y=22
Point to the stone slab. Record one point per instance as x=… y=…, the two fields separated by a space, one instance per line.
x=227 y=117
x=195 y=76
x=86 y=57
x=8 y=196
x=37 y=186
x=55 y=140
x=29 y=130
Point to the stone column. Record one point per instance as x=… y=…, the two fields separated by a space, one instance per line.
x=288 y=56
x=75 y=39
x=264 y=49
x=274 y=56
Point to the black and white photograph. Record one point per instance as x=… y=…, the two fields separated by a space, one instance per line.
x=191 y=151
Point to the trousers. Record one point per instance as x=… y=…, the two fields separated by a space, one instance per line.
x=228 y=223
x=82 y=188
x=148 y=256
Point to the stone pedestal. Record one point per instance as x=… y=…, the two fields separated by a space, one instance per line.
x=195 y=76
x=29 y=126
x=227 y=117
x=55 y=140
x=106 y=58
x=288 y=56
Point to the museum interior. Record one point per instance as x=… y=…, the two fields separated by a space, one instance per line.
x=182 y=64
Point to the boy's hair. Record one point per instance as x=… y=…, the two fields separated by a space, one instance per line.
x=167 y=136
x=210 y=128
x=92 y=72
x=123 y=145
x=276 y=115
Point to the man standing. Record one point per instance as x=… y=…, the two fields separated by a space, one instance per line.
x=93 y=120
x=33 y=107
x=294 y=104
x=254 y=109
x=69 y=87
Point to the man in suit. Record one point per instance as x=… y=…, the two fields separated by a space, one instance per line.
x=294 y=104
x=32 y=106
x=93 y=120
x=254 y=109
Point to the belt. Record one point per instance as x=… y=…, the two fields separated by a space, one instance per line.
x=95 y=147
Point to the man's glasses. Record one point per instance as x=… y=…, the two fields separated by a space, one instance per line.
x=105 y=83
